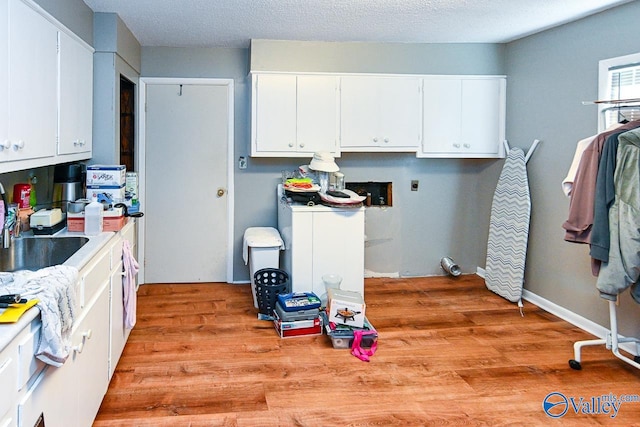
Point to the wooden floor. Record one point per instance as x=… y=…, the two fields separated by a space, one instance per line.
x=450 y=353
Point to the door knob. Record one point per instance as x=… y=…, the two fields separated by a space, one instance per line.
x=220 y=192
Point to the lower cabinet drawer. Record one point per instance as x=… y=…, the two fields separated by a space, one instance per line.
x=28 y=365
x=8 y=379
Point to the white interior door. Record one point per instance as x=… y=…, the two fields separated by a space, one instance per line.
x=186 y=183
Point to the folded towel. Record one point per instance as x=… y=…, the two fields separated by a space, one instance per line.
x=129 y=285
x=54 y=287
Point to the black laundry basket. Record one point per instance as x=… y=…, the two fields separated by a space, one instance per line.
x=269 y=283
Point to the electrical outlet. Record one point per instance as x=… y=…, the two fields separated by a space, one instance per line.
x=414 y=185
x=242 y=162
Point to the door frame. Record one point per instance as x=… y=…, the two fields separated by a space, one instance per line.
x=140 y=155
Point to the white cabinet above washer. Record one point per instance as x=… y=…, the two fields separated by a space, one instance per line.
x=294 y=115
x=464 y=116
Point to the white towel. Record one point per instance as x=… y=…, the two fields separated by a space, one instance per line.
x=131 y=268
x=54 y=287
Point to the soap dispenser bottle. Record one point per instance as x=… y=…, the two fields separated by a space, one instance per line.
x=93 y=217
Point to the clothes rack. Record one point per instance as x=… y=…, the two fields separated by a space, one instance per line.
x=611 y=342
x=613 y=338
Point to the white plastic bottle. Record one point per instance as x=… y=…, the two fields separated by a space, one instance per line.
x=93 y=218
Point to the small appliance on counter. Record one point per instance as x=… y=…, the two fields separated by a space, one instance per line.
x=47 y=221
x=68 y=184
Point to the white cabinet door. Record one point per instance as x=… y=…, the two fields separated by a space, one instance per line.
x=275 y=113
x=317 y=114
x=294 y=116
x=380 y=113
x=91 y=339
x=359 y=111
x=463 y=117
x=482 y=117
x=4 y=77
x=338 y=248
x=76 y=96
x=33 y=101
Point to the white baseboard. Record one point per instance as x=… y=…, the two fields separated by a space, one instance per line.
x=575 y=319
x=569 y=316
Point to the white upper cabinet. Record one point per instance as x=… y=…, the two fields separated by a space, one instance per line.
x=464 y=116
x=32 y=85
x=294 y=115
x=46 y=90
x=380 y=113
x=76 y=100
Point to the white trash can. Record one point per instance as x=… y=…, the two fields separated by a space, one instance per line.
x=261 y=249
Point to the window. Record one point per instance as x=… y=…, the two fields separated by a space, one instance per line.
x=619 y=81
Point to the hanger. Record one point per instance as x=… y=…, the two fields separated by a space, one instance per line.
x=621 y=118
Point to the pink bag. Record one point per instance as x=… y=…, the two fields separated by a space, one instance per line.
x=356 y=348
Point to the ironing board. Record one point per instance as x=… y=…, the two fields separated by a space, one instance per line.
x=509 y=228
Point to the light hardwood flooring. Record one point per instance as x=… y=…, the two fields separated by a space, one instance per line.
x=450 y=352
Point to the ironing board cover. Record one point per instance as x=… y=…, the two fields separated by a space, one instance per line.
x=509 y=229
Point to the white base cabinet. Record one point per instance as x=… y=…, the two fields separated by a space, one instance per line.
x=321 y=240
x=71 y=394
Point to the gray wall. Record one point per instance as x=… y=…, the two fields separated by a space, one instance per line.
x=549 y=75
x=74 y=14
x=408 y=238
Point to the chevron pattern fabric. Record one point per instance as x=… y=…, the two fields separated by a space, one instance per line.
x=509 y=229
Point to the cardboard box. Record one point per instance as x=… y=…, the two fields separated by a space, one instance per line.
x=346 y=307
x=298 y=328
x=114 y=194
x=113 y=220
x=106 y=175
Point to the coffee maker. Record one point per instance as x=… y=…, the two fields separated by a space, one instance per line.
x=68 y=184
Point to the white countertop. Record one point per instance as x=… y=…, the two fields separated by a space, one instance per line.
x=9 y=331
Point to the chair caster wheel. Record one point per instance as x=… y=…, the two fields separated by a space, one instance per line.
x=575 y=365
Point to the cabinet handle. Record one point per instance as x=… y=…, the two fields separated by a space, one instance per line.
x=291 y=145
x=78 y=348
x=375 y=139
x=302 y=145
x=467 y=146
x=5 y=145
x=386 y=140
x=456 y=145
x=18 y=145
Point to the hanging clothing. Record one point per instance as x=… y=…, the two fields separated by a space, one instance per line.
x=604 y=198
x=580 y=220
x=623 y=269
x=567 y=182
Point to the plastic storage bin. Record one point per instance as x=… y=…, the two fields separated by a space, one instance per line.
x=270 y=282
x=261 y=249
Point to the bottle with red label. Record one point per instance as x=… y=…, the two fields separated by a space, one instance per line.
x=21 y=195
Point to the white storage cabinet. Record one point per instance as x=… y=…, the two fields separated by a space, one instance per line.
x=294 y=115
x=46 y=90
x=464 y=116
x=71 y=394
x=321 y=240
x=380 y=113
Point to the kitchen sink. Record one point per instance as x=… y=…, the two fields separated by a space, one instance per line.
x=34 y=253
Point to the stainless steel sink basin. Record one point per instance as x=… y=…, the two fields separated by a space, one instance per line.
x=34 y=253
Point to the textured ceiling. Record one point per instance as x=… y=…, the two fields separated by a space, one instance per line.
x=232 y=23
